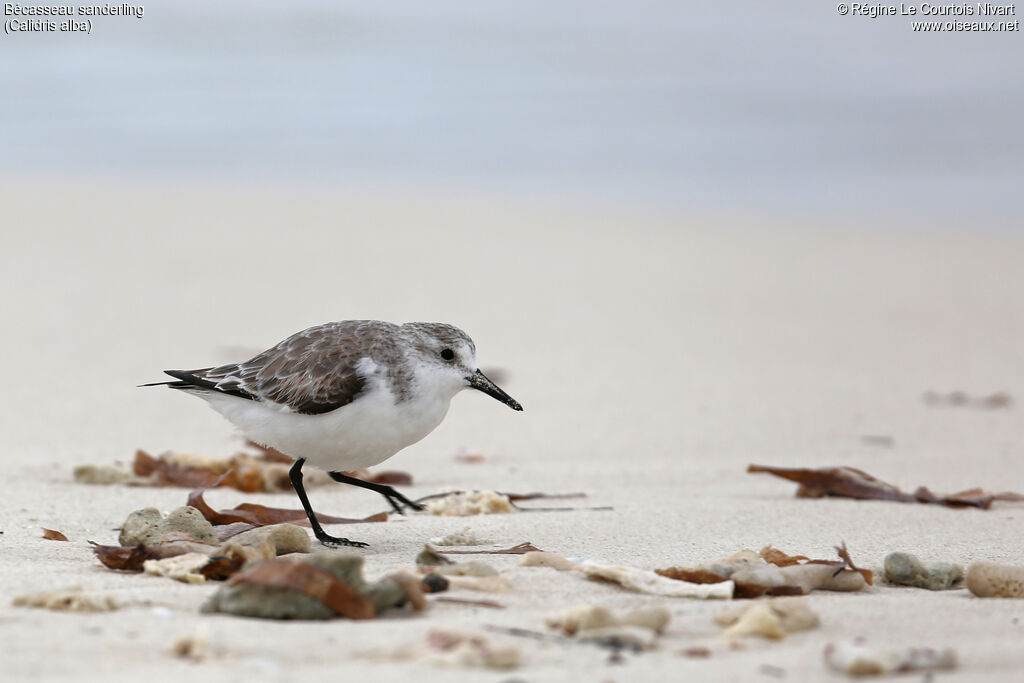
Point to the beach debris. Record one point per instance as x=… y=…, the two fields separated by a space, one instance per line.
x=696 y=652
x=148 y=527
x=462 y=537
x=586 y=617
x=124 y=559
x=320 y=586
x=961 y=399
x=991 y=580
x=540 y=558
x=467 y=503
x=221 y=567
x=261 y=515
x=646 y=581
x=434 y=583
x=521 y=549
x=774 y=618
x=102 y=474
x=858 y=658
x=429 y=557
x=265 y=472
x=148 y=536
x=632 y=638
x=195 y=646
x=72 y=599
x=456 y=648
x=849 y=482
x=264 y=543
x=774 y=572
x=472 y=603
x=52 y=535
x=540 y=495
x=185 y=568
x=904 y=569
x=467 y=457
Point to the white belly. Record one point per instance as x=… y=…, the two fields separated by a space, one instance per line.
x=363 y=433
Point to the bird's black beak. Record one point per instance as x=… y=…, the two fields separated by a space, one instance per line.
x=478 y=380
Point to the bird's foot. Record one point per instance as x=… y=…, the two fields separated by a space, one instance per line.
x=337 y=542
x=397 y=500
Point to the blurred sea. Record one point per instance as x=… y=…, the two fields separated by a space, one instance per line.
x=740 y=105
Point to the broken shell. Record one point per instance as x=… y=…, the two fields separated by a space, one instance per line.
x=470 y=503
x=769 y=619
x=654 y=618
x=857 y=658
x=586 y=617
x=905 y=569
x=456 y=648
x=991 y=580
x=759 y=620
x=582 y=617
x=540 y=558
x=68 y=600
x=646 y=581
x=102 y=474
x=264 y=543
x=464 y=536
x=184 y=568
x=193 y=646
x=806 y=577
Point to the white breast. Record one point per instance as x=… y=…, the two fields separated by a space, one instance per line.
x=363 y=433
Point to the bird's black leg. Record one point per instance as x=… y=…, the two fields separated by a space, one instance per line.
x=389 y=493
x=295 y=474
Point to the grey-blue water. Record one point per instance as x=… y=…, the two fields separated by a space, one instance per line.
x=748 y=105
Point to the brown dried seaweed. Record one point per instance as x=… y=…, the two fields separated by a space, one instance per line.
x=242 y=471
x=521 y=549
x=539 y=495
x=465 y=601
x=309 y=580
x=261 y=515
x=845 y=555
x=124 y=559
x=849 y=482
x=775 y=556
x=53 y=535
x=691 y=575
x=222 y=567
x=160 y=471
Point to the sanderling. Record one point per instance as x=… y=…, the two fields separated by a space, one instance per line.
x=344 y=396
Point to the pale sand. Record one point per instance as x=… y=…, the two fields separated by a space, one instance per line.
x=655 y=358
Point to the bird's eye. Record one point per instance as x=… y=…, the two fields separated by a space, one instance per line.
x=447 y=354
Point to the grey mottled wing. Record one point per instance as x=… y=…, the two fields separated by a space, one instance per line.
x=311 y=372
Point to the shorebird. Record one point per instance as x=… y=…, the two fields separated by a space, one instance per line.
x=344 y=396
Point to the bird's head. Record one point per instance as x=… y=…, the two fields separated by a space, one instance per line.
x=447 y=360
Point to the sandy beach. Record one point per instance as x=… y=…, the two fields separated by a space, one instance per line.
x=656 y=356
